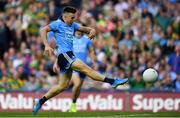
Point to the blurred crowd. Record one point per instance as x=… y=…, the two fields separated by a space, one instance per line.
x=132 y=35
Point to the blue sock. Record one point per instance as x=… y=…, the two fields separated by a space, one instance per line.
x=109 y=80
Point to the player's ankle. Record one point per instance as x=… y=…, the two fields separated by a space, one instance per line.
x=74 y=101
x=43 y=100
x=108 y=80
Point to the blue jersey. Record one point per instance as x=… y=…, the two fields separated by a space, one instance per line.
x=63 y=34
x=81 y=47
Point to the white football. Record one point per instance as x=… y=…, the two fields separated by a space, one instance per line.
x=150 y=75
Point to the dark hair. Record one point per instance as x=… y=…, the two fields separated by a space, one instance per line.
x=69 y=9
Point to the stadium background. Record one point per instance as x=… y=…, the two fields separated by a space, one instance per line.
x=132 y=35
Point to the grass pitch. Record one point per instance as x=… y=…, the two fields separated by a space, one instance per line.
x=89 y=114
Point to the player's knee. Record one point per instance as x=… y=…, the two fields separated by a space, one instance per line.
x=64 y=88
x=77 y=84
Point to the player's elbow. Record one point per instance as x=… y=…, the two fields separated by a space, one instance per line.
x=42 y=30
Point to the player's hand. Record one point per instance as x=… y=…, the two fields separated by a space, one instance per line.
x=56 y=67
x=92 y=34
x=48 y=51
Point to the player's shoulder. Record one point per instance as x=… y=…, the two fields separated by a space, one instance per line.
x=86 y=39
x=85 y=36
x=74 y=24
x=55 y=21
x=58 y=21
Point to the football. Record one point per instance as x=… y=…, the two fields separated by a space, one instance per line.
x=150 y=75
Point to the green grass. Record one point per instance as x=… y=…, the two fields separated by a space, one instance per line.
x=90 y=114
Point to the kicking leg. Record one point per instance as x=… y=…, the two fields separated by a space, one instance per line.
x=78 y=65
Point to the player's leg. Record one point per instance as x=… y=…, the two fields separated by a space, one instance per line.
x=62 y=85
x=77 y=80
x=77 y=83
x=55 y=90
x=78 y=65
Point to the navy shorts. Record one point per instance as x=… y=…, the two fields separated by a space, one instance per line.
x=65 y=60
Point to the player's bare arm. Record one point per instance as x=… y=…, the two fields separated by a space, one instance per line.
x=90 y=31
x=55 y=66
x=48 y=50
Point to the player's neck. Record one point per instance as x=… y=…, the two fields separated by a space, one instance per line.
x=63 y=20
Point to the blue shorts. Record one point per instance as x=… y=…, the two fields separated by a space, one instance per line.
x=65 y=60
x=81 y=75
